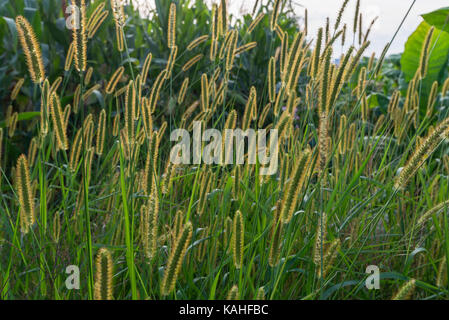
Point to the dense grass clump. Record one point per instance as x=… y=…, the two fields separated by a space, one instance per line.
x=87 y=179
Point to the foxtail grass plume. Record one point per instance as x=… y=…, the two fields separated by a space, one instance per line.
x=169 y=174
x=272 y=80
x=230 y=50
x=423 y=150
x=204 y=93
x=260 y=294
x=204 y=190
x=233 y=294
x=405 y=291
x=130 y=106
x=424 y=59
x=295 y=185
x=103 y=289
x=59 y=124
x=31 y=48
x=245 y=47
x=114 y=80
x=17 y=88
x=275 y=14
x=88 y=76
x=250 y=109
x=147 y=118
x=320 y=238
x=432 y=99
x=156 y=89
x=183 y=90
x=25 y=194
x=277 y=229
x=150 y=227
x=255 y=22
x=101 y=132
x=75 y=151
x=151 y=163
x=196 y=42
x=223 y=16
x=96 y=22
x=80 y=35
x=340 y=14
x=238 y=232
x=171 y=33
x=120 y=20
x=13 y=124
x=146 y=68
x=192 y=62
x=171 y=61
x=56 y=228
x=434 y=210
x=95 y=15
x=175 y=259
x=329 y=257
x=178 y=224
x=442 y=274
x=69 y=56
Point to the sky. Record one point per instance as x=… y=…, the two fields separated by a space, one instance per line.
x=390 y=14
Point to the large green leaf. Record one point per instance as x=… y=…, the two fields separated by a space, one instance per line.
x=438 y=18
x=438 y=58
x=439 y=50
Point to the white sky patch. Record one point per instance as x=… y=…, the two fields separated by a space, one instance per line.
x=390 y=12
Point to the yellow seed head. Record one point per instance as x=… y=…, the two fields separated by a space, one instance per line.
x=295 y=185
x=75 y=151
x=192 y=62
x=238 y=231
x=171 y=33
x=196 y=42
x=424 y=59
x=156 y=89
x=245 y=47
x=171 y=61
x=103 y=276
x=69 y=57
x=146 y=68
x=405 y=291
x=96 y=23
x=151 y=163
x=59 y=123
x=31 y=49
x=114 y=80
x=276 y=236
x=116 y=125
x=13 y=124
x=275 y=14
x=80 y=36
x=183 y=90
x=25 y=193
x=233 y=294
x=16 y=89
x=255 y=22
x=101 y=132
x=175 y=259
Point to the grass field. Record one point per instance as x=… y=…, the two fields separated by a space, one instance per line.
x=87 y=179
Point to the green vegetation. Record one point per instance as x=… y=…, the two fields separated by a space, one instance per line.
x=86 y=177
